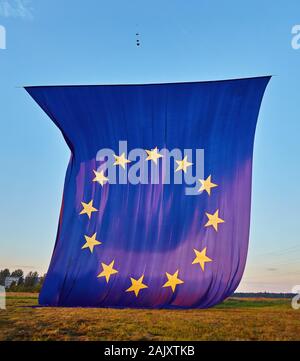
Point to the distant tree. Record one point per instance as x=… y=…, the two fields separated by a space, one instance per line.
x=3 y=274
x=31 y=280
x=42 y=279
x=15 y=285
x=40 y=283
x=17 y=273
x=31 y=283
x=21 y=281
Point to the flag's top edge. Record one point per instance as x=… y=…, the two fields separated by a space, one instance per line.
x=146 y=84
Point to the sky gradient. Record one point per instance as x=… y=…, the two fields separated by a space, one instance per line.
x=55 y=42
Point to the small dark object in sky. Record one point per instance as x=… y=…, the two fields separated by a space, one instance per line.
x=137 y=39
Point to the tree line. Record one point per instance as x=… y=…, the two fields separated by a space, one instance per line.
x=32 y=282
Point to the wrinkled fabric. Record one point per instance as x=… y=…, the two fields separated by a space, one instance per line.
x=151 y=229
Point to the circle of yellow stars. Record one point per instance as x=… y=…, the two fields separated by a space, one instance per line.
x=172 y=280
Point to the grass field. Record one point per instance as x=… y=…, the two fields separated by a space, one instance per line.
x=235 y=319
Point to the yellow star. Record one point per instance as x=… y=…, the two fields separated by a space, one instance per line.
x=121 y=160
x=206 y=185
x=173 y=280
x=153 y=155
x=201 y=258
x=88 y=208
x=100 y=177
x=108 y=270
x=214 y=220
x=136 y=285
x=91 y=242
x=183 y=164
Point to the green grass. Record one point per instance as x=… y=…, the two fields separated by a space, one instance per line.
x=252 y=303
x=234 y=319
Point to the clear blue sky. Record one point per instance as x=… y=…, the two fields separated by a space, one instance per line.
x=93 y=42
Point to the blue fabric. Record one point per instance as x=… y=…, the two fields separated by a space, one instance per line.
x=151 y=229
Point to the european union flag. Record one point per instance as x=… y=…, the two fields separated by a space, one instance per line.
x=156 y=202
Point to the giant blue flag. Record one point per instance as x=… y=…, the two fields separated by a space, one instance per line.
x=156 y=203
